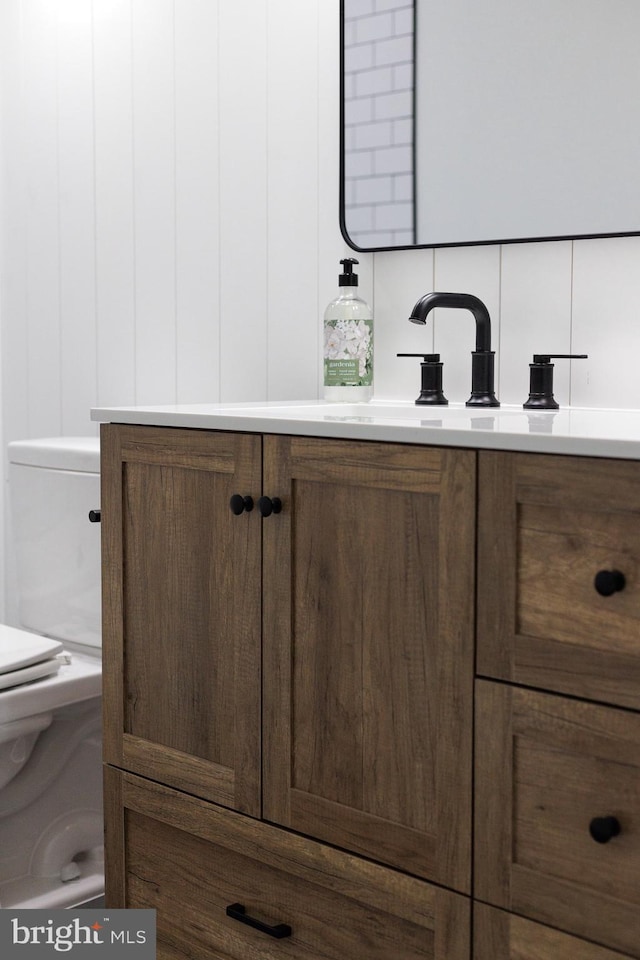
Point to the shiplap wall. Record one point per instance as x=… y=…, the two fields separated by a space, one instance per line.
x=169 y=226
x=164 y=237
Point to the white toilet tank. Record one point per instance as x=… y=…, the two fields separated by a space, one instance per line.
x=54 y=483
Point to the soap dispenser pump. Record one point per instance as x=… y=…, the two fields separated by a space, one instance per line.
x=348 y=341
x=541 y=380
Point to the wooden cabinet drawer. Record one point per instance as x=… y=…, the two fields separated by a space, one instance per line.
x=504 y=936
x=547 y=526
x=548 y=772
x=190 y=860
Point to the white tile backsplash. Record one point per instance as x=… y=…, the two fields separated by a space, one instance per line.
x=606 y=322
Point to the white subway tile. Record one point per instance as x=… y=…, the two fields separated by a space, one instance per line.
x=377 y=134
x=403 y=76
x=393 y=216
x=396 y=50
x=359 y=111
x=393 y=160
x=374 y=190
x=376 y=27
x=358 y=164
x=393 y=105
x=403 y=20
x=377 y=80
x=358 y=57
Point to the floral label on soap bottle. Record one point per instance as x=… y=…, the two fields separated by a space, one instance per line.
x=348 y=353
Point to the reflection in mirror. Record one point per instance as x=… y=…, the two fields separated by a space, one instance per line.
x=492 y=122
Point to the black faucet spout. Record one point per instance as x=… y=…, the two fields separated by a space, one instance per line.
x=482 y=364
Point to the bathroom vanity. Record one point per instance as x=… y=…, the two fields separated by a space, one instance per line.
x=372 y=680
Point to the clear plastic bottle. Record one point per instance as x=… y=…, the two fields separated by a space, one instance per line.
x=348 y=342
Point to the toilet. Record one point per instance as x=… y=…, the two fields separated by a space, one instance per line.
x=51 y=824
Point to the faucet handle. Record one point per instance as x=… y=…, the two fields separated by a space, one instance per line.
x=431 y=383
x=541 y=380
x=548 y=357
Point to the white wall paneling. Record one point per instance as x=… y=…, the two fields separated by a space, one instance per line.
x=76 y=216
x=169 y=226
x=154 y=174
x=197 y=202
x=13 y=227
x=243 y=199
x=473 y=270
x=114 y=202
x=535 y=305
x=399 y=282
x=606 y=294
x=42 y=290
x=292 y=203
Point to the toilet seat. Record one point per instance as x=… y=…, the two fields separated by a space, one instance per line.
x=26 y=657
x=35 y=678
x=21 y=649
x=37 y=671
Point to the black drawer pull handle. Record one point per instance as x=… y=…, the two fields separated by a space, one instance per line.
x=603 y=829
x=608 y=582
x=269 y=505
x=237 y=911
x=94 y=516
x=239 y=504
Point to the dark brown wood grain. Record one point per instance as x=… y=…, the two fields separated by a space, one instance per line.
x=545 y=767
x=189 y=859
x=546 y=526
x=182 y=610
x=503 y=936
x=368 y=640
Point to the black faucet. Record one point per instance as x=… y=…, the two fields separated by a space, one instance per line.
x=482 y=358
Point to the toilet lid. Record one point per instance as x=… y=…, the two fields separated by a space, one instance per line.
x=19 y=649
x=27 y=674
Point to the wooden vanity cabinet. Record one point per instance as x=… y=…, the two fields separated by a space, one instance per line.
x=289 y=696
x=498 y=935
x=330 y=626
x=368 y=650
x=181 y=621
x=557 y=815
x=228 y=887
x=557 y=746
x=548 y=526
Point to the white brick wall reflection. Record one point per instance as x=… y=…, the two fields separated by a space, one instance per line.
x=378 y=80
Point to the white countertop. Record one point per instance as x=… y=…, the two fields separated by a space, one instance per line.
x=571 y=430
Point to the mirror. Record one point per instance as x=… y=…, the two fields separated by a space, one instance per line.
x=467 y=122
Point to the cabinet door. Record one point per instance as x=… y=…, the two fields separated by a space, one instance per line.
x=227 y=887
x=181 y=597
x=547 y=527
x=503 y=936
x=368 y=649
x=557 y=826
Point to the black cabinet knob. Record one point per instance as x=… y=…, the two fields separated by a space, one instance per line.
x=603 y=829
x=239 y=504
x=608 y=582
x=269 y=505
x=94 y=516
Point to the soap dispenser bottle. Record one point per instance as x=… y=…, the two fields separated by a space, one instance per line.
x=348 y=341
